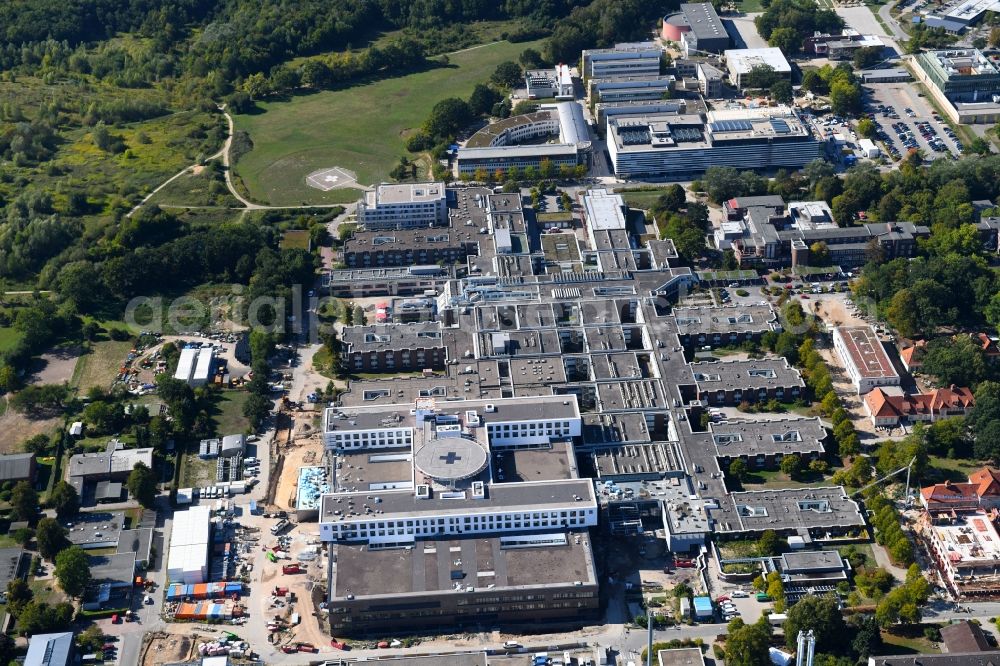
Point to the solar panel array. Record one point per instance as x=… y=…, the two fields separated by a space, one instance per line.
x=731 y=126
x=779 y=126
x=634 y=136
x=686 y=134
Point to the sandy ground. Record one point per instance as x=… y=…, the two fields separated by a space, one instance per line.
x=17 y=428
x=56 y=366
x=834 y=312
x=300 y=454
x=167 y=648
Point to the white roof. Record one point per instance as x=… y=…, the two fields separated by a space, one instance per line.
x=604 y=210
x=743 y=60
x=185 y=365
x=187 y=559
x=204 y=363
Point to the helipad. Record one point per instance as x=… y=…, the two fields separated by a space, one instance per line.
x=451 y=459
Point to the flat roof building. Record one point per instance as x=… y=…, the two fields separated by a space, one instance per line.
x=681 y=657
x=965 y=548
x=603 y=210
x=864 y=358
x=503 y=158
x=961 y=74
x=517 y=579
x=808 y=568
x=759 y=380
x=765 y=443
x=403 y=205
x=676 y=145
x=725 y=325
x=543 y=83
x=807 y=512
x=811 y=215
x=741 y=62
x=92 y=529
x=623 y=59
x=631 y=88
x=963 y=81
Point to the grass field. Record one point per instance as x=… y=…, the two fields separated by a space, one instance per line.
x=360 y=128
x=910 y=642
x=8 y=338
x=641 y=199
x=951 y=469
x=296 y=239
x=100 y=365
x=228 y=413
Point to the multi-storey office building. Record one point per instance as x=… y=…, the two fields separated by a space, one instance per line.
x=676 y=146
x=403 y=206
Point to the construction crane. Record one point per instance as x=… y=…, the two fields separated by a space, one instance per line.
x=888 y=476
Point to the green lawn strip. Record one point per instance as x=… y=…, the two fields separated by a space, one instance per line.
x=8 y=338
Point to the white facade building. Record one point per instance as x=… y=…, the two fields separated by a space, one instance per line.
x=640 y=58
x=863 y=357
x=403 y=206
x=451 y=490
x=741 y=61
x=507 y=507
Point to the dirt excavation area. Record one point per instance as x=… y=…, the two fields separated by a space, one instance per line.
x=834 y=311
x=169 y=648
x=301 y=452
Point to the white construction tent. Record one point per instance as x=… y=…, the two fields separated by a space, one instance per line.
x=187 y=560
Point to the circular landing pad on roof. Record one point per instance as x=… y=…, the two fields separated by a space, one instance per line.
x=451 y=459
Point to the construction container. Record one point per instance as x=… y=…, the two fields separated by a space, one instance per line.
x=207 y=610
x=176 y=591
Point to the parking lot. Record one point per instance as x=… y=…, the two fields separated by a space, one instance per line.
x=906 y=121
